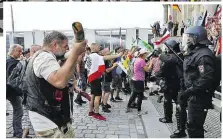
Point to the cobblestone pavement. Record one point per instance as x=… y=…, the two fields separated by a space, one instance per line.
x=118 y=124
x=212 y=123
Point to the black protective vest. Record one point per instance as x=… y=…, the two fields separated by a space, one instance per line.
x=46 y=99
x=191 y=74
x=169 y=70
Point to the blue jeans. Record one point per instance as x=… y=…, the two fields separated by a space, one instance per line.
x=16 y=103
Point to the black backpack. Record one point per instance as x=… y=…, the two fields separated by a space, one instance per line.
x=15 y=79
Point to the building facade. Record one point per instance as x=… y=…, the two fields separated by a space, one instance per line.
x=106 y=37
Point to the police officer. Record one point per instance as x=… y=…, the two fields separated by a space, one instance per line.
x=199 y=72
x=181 y=115
x=168 y=71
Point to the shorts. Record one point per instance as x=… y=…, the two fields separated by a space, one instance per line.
x=117 y=82
x=106 y=87
x=96 y=87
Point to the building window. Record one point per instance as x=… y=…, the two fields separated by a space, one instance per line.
x=19 y=40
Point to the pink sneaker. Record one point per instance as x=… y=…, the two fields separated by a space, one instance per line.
x=99 y=116
x=91 y=113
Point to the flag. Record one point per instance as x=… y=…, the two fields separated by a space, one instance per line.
x=163 y=38
x=95 y=65
x=218 y=10
x=199 y=20
x=125 y=63
x=176 y=7
x=143 y=44
x=120 y=37
x=122 y=67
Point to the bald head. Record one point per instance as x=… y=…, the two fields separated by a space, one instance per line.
x=95 y=47
x=34 y=48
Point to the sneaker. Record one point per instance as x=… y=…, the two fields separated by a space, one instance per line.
x=128 y=110
x=164 y=120
x=99 y=116
x=91 y=113
x=112 y=100
x=118 y=98
x=108 y=106
x=151 y=94
x=78 y=102
x=82 y=101
x=178 y=134
x=105 y=109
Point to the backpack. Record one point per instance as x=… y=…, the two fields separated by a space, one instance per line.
x=15 y=79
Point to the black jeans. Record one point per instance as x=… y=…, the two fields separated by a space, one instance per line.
x=138 y=89
x=16 y=102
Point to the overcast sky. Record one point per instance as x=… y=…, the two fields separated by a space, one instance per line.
x=59 y=16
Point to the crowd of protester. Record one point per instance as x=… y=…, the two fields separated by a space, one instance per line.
x=52 y=77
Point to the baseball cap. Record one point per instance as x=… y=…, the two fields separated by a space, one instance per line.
x=143 y=51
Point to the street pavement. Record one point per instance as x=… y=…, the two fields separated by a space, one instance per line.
x=126 y=125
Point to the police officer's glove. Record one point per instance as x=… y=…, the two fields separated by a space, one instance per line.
x=183 y=97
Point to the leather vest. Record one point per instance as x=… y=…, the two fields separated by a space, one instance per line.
x=46 y=99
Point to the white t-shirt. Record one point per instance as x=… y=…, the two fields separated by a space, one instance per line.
x=43 y=65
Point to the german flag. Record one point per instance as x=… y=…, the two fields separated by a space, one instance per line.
x=176 y=7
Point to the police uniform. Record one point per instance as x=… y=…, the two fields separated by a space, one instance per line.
x=198 y=79
x=172 y=86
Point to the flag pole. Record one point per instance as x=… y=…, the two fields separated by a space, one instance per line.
x=173 y=52
x=12 y=20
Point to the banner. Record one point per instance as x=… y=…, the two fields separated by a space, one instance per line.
x=122 y=67
x=163 y=38
x=143 y=44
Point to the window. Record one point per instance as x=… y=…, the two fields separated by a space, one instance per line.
x=19 y=40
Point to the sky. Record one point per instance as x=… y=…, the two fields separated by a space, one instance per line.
x=59 y=16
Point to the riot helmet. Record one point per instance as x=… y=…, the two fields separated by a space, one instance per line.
x=172 y=44
x=195 y=35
